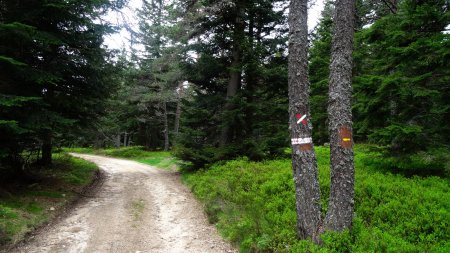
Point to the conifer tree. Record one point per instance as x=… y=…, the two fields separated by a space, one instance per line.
x=319 y=62
x=239 y=79
x=401 y=81
x=52 y=61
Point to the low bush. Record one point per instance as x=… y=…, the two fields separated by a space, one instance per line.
x=253 y=204
x=424 y=163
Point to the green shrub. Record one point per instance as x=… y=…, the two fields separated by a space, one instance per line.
x=253 y=204
x=424 y=163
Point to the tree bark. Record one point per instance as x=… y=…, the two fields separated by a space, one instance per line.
x=235 y=69
x=178 y=110
x=251 y=77
x=47 y=148
x=340 y=208
x=166 y=128
x=304 y=163
x=118 y=140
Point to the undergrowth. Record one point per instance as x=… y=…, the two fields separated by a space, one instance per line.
x=25 y=205
x=253 y=204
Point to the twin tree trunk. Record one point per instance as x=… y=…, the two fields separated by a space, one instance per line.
x=340 y=210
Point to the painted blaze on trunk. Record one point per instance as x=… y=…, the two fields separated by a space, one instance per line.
x=340 y=207
x=307 y=191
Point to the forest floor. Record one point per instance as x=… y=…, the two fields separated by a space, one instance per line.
x=138 y=208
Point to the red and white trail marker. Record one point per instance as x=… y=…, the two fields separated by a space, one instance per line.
x=301 y=119
x=300 y=141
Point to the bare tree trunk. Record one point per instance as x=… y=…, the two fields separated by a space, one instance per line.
x=251 y=78
x=129 y=139
x=304 y=163
x=166 y=128
x=340 y=208
x=125 y=139
x=118 y=140
x=178 y=110
x=47 y=148
x=235 y=69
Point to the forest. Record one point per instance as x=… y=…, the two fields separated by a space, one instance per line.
x=214 y=83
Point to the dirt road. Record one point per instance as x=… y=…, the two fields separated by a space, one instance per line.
x=137 y=209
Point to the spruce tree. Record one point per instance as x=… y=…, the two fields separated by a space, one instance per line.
x=402 y=78
x=319 y=59
x=52 y=59
x=240 y=74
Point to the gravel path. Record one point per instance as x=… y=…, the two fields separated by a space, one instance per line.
x=137 y=209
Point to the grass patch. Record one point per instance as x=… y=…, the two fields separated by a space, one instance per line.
x=49 y=194
x=28 y=205
x=160 y=159
x=253 y=204
x=164 y=162
x=137 y=208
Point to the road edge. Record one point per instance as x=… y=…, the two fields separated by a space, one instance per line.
x=88 y=191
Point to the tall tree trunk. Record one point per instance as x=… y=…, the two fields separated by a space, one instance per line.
x=340 y=208
x=158 y=6
x=47 y=148
x=304 y=163
x=117 y=144
x=129 y=139
x=166 y=128
x=251 y=77
x=235 y=69
x=178 y=110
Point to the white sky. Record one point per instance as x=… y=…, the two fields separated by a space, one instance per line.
x=127 y=15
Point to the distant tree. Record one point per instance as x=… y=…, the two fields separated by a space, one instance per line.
x=160 y=73
x=319 y=71
x=238 y=78
x=369 y=11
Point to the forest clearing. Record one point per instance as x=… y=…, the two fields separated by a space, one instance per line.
x=298 y=125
